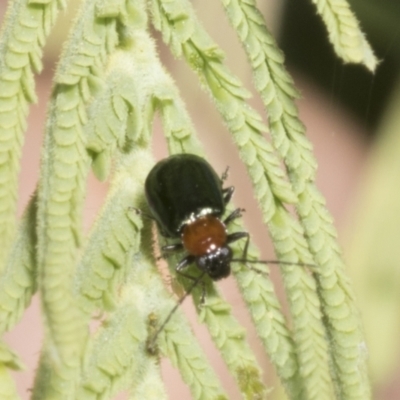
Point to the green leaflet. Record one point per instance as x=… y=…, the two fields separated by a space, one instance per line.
x=23 y=36
x=315 y=219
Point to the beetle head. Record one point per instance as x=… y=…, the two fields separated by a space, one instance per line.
x=217 y=263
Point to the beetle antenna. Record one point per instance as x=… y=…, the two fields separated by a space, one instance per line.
x=153 y=340
x=243 y=260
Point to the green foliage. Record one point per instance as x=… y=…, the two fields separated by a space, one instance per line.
x=108 y=85
x=373 y=250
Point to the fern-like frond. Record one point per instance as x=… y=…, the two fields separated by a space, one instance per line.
x=23 y=36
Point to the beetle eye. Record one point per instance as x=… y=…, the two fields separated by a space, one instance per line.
x=218 y=269
x=202 y=262
x=225 y=254
x=216 y=265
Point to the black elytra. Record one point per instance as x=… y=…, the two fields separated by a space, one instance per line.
x=187 y=200
x=180 y=187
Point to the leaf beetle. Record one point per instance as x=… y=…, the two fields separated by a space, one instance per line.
x=187 y=200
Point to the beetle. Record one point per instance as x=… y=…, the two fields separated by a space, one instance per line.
x=187 y=200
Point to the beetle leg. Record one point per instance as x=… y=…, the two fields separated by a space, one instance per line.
x=170 y=248
x=183 y=264
x=233 y=237
x=235 y=214
x=228 y=193
x=240 y=235
x=203 y=293
x=138 y=211
x=225 y=175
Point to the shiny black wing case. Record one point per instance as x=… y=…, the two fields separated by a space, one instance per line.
x=180 y=187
